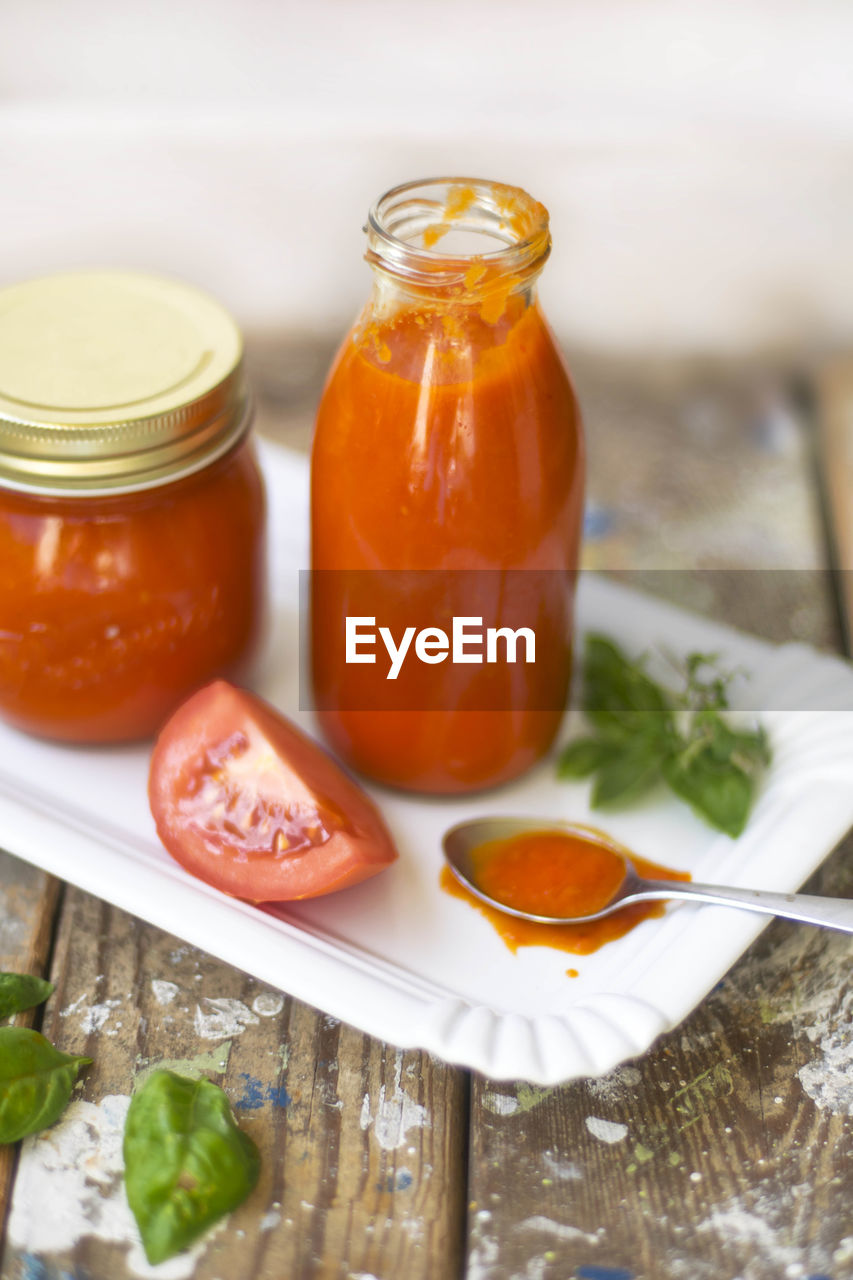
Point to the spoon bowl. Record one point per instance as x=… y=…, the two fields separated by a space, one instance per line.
x=461 y=841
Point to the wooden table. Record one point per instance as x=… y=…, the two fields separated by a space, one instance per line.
x=723 y=1152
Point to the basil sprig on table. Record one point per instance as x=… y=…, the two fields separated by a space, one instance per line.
x=35 y=1082
x=19 y=991
x=186 y=1161
x=645 y=732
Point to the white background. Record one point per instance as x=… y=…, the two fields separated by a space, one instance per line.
x=697 y=157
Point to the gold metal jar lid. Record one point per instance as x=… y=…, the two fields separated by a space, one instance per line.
x=112 y=381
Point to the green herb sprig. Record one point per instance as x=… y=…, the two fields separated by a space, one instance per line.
x=645 y=732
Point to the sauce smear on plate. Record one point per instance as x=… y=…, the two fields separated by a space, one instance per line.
x=560 y=873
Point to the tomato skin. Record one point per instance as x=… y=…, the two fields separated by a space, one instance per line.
x=244 y=800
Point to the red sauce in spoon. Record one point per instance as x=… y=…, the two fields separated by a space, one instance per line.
x=557 y=873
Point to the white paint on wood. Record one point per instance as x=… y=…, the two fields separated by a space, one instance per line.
x=395 y=1114
x=500 y=1104
x=219 y=1017
x=92 y=1016
x=562 y=1230
x=164 y=992
x=760 y=1223
x=74 y=1170
x=828 y=1078
x=268 y=1004
x=606 y=1130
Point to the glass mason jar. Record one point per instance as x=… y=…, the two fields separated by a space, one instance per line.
x=447 y=483
x=132 y=527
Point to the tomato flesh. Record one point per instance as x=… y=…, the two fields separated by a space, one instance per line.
x=248 y=803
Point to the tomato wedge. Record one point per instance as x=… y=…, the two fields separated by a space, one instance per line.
x=245 y=801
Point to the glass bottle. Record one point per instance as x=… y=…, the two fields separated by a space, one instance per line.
x=447 y=482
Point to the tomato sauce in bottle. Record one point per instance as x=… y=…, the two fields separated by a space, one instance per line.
x=448 y=450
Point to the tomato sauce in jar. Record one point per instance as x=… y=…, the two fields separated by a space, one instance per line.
x=132 y=526
x=448 y=447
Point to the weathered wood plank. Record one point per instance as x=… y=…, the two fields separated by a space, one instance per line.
x=724 y=1151
x=702 y=488
x=362 y=1146
x=835 y=427
x=28 y=901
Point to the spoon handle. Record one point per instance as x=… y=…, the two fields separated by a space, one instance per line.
x=832 y=913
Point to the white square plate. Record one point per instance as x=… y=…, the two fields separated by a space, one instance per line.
x=399 y=958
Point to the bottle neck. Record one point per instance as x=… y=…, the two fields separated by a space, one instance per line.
x=497 y=305
x=456 y=243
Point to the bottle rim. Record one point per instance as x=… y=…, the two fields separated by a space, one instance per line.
x=405 y=225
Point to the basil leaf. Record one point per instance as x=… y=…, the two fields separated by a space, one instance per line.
x=186 y=1162
x=21 y=991
x=716 y=788
x=581 y=758
x=628 y=775
x=35 y=1082
x=615 y=690
x=751 y=751
x=716 y=771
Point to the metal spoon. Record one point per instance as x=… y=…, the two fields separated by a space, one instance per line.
x=460 y=841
